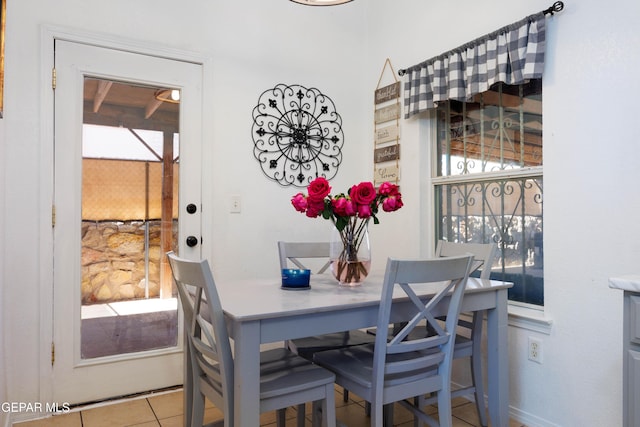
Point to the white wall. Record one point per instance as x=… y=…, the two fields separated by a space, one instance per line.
x=589 y=154
x=590 y=187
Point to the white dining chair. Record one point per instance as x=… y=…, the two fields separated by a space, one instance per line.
x=285 y=378
x=299 y=253
x=469 y=334
x=468 y=343
x=398 y=368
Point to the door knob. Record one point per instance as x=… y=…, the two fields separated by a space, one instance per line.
x=191 y=208
x=192 y=241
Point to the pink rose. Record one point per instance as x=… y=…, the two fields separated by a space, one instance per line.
x=299 y=202
x=392 y=203
x=318 y=189
x=314 y=207
x=363 y=193
x=343 y=206
x=388 y=189
x=364 y=211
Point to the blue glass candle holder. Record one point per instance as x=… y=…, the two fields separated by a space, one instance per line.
x=295 y=279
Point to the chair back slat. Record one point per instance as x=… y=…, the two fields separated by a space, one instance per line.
x=483 y=254
x=418 y=344
x=294 y=252
x=403 y=353
x=418 y=363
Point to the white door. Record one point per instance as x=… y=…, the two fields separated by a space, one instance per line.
x=118 y=208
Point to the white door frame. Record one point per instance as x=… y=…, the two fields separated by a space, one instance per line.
x=45 y=250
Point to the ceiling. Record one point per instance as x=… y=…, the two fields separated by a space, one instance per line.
x=117 y=104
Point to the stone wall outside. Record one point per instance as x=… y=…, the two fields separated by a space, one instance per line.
x=113 y=260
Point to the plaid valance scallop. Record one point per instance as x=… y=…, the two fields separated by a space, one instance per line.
x=512 y=55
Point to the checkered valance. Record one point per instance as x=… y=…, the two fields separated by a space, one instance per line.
x=512 y=55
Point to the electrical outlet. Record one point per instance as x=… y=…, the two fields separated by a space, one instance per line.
x=535 y=350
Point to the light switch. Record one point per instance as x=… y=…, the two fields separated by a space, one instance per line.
x=235 y=204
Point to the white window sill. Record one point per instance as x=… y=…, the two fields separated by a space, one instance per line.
x=529 y=317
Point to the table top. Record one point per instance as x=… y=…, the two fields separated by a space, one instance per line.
x=626 y=283
x=245 y=300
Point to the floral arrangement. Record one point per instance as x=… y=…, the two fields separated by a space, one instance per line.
x=350 y=213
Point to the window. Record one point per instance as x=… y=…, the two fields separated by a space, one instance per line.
x=488 y=181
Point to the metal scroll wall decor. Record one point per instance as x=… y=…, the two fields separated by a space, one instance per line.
x=297 y=135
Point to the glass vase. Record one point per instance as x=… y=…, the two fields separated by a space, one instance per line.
x=350 y=255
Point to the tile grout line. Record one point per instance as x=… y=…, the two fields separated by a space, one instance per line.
x=152 y=410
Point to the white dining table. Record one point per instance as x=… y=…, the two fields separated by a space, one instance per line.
x=258 y=311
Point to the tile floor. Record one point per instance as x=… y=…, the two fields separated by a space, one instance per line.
x=164 y=409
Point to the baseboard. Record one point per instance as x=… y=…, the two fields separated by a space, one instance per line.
x=529 y=419
x=522 y=417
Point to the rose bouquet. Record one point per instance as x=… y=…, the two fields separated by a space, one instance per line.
x=350 y=214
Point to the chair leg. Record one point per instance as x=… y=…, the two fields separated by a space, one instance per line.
x=281 y=417
x=329 y=407
x=323 y=412
x=318 y=410
x=197 y=409
x=300 y=415
x=377 y=416
x=387 y=415
x=445 y=416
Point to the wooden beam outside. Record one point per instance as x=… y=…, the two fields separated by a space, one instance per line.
x=151 y=107
x=166 y=221
x=130 y=117
x=473 y=149
x=101 y=93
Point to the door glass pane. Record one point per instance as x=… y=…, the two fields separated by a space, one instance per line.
x=129 y=218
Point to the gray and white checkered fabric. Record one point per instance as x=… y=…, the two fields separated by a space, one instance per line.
x=511 y=55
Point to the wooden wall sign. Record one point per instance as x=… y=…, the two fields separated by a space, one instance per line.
x=387 y=93
x=387 y=134
x=385 y=114
x=388 y=173
x=386 y=154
